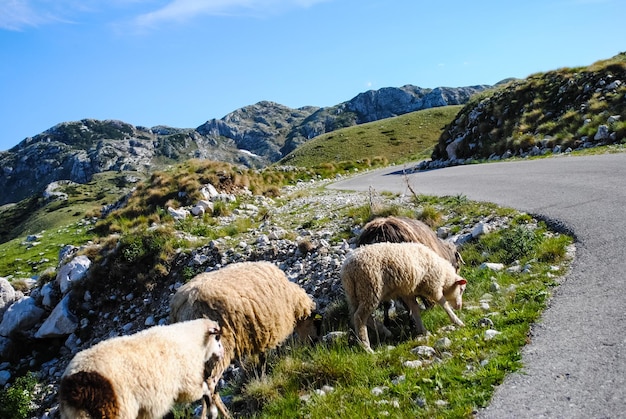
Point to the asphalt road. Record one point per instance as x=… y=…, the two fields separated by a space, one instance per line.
x=575 y=364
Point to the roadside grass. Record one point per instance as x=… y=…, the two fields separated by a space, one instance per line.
x=339 y=379
x=393 y=140
x=456 y=382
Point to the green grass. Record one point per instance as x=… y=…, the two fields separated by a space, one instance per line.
x=462 y=377
x=399 y=139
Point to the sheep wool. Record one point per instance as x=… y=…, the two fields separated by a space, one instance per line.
x=403 y=229
x=255 y=304
x=384 y=271
x=140 y=375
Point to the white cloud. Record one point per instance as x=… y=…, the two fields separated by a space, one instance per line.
x=22 y=14
x=18 y=14
x=183 y=10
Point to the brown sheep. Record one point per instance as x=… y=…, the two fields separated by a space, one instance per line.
x=256 y=306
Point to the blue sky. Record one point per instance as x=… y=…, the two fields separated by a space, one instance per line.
x=183 y=62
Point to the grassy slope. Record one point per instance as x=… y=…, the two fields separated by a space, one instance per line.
x=399 y=139
x=56 y=223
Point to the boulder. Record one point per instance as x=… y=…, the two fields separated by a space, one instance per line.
x=72 y=272
x=21 y=315
x=61 y=322
x=7 y=295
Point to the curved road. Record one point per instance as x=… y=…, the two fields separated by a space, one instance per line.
x=575 y=364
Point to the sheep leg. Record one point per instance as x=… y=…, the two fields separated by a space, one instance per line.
x=213 y=398
x=217 y=401
x=415 y=310
x=360 y=318
x=380 y=329
x=453 y=317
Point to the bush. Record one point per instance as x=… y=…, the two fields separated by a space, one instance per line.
x=15 y=400
x=517 y=243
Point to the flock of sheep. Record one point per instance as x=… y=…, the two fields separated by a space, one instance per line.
x=245 y=309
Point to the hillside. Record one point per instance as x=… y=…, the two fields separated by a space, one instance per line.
x=392 y=140
x=253 y=136
x=568 y=108
x=119 y=274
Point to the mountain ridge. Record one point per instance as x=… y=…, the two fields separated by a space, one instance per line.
x=253 y=136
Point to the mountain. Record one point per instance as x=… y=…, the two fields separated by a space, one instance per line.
x=566 y=108
x=253 y=136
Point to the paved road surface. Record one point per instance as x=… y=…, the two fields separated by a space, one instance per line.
x=575 y=365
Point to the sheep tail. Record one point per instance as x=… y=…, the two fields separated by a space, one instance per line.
x=91 y=392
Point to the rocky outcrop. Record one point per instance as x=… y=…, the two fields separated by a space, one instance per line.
x=387 y=102
x=546 y=112
x=253 y=136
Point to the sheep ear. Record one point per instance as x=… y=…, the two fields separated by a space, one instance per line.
x=461 y=281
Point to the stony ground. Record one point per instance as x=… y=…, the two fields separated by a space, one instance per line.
x=306 y=232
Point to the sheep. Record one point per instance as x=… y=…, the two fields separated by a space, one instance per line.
x=404 y=229
x=256 y=306
x=141 y=375
x=382 y=271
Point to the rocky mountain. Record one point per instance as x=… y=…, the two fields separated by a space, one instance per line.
x=253 y=136
x=568 y=108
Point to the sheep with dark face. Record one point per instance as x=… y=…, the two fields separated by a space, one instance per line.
x=141 y=375
x=256 y=306
x=382 y=271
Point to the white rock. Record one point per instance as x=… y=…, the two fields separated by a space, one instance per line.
x=377 y=391
x=490 y=334
x=47 y=294
x=21 y=315
x=7 y=295
x=209 y=192
x=73 y=272
x=491 y=265
x=61 y=322
x=413 y=364
x=480 y=229
x=178 y=214
x=424 y=351
x=197 y=210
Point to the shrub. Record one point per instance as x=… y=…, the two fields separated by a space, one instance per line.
x=516 y=242
x=15 y=400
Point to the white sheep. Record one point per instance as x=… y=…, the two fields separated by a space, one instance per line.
x=256 y=306
x=141 y=375
x=383 y=271
x=404 y=229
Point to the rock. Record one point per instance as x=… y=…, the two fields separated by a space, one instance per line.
x=413 y=364
x=5 y=376
x=197 y=210
x=209 y=192
x=72 y=272
x=49 y=295
x=7 y=295
x=424 y=351
x=378 y=391
x=480 y=229
x=21 y=315
x=178 y=214
x=61 y=322
x=492 y=266
x=443 y=343
x=602 y=134
x=490 y=334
